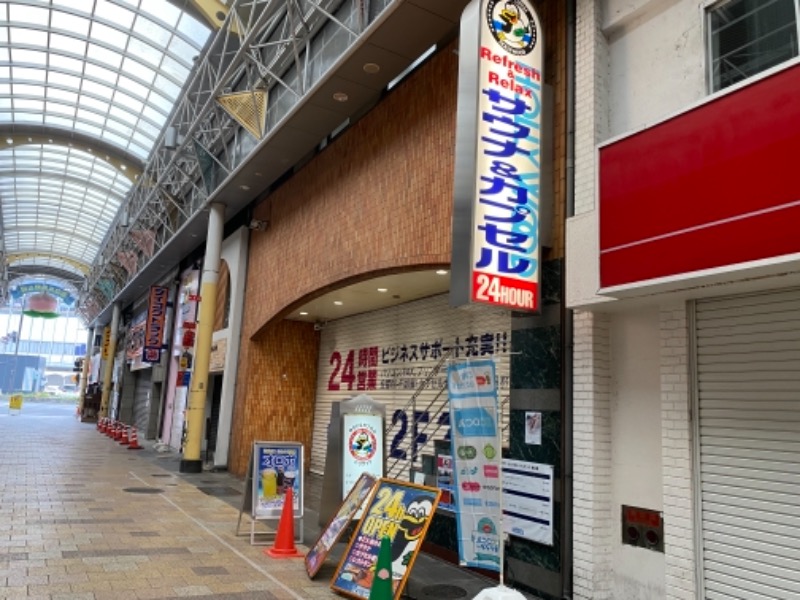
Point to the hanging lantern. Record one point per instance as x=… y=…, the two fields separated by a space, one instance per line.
x=41 y=305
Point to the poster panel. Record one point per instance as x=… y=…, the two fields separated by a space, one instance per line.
x=362 y=449
x=333 y=531
x=472 y=390
x=397 y=509
x=277 y=467
x=528 y=500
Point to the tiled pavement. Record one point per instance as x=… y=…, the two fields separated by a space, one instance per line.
x=84 y=518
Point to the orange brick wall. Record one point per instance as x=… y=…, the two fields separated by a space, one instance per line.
x=377 y=199
x=280 y=382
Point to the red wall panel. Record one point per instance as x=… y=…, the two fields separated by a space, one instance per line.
x=714 y=186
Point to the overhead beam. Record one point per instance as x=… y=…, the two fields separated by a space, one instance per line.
x=128 y=166
x=79 y=266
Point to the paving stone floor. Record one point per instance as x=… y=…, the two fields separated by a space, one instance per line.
x=84 y=518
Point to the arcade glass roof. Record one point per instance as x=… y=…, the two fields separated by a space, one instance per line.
x=86 y=87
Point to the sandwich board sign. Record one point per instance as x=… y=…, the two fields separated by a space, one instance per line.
x=273 y=469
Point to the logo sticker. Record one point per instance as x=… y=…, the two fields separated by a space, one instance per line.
x=512 y=25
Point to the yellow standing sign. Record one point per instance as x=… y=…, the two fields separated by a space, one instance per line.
x=15 y=402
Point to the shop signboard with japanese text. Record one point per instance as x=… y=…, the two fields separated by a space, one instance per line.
x=402 y=512
x=498 y=179
x=277 y=466
x=528 y=500
x=476 y=449
x=156 y=323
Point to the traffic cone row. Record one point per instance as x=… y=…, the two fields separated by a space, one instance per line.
x=118 y=431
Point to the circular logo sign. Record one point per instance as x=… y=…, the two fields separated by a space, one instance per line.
x=512 y=25
x=363 y=444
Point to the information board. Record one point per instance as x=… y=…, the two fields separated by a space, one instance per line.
x=528 y=500
x=333 y=531
x=401 y=511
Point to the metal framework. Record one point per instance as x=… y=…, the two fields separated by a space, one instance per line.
x=273 y=46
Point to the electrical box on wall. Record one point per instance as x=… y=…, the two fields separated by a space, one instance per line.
x=642 y=527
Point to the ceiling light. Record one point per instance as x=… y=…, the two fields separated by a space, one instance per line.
x=338 y=302
x=9 y=140
x=382 y=290
x=441 y=272
x=371 y=68
x=340 y=97
x=303 y=314
x=124 y=167
x=244 y=187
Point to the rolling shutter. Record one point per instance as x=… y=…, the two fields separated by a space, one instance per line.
x=748 y=382
x=404 y=341
x=141 y=400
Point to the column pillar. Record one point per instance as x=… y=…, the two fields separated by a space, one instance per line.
x=198 y=384
x=108 y=369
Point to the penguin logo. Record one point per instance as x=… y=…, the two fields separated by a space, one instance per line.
x=418 y=511
x=512 y=25
x=363 y=444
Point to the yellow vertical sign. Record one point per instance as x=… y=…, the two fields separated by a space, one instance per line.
x=15 y=402
x=106 y=343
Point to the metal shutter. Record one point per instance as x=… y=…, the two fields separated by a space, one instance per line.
x=418 y=322
x=141 y=400
x=748 y=391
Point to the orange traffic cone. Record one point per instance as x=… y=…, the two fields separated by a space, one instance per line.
x=133 y=443
x=284 y=542
x=123 y=438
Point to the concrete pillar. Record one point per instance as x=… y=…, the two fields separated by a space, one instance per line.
x=198 y=384
x=108 y=365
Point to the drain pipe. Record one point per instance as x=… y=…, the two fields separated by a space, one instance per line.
x=569 y=344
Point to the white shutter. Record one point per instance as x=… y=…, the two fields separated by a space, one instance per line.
x=748 y=381
x=412 y=326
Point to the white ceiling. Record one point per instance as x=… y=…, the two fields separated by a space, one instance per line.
x=364 y=296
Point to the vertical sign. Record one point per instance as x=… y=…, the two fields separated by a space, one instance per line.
x=106 y=351
x=498 y=156
x=475 y=431
x=362 y=448
x=155 y=324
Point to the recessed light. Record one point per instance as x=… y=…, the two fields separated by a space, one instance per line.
x=441 y=272
x=9 y=140
x=371 y=68
x=338 y=302
x=303 y=314
x=382 y=290
x=340 y=97
x=257 y=173
x=124 y=167
x=244 y=187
